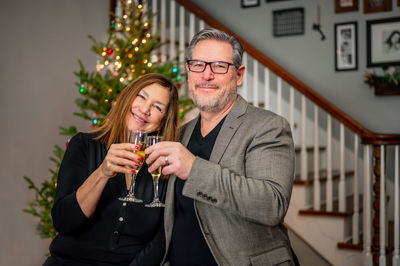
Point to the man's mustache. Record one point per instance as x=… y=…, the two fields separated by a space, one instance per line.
x=207 y=84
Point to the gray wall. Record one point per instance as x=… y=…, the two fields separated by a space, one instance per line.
x=41 y=42
x=312 y=60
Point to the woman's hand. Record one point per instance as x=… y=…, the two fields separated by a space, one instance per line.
x=120 y=158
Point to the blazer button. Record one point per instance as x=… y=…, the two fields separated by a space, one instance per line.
x=199 y=193
x=205 y=196
x=209 y=198
x=214 y=200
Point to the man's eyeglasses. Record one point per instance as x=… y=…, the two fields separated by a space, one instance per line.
x=217 y=67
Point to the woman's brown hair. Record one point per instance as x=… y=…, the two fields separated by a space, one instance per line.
x=114 y=127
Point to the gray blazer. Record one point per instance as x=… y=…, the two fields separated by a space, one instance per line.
x=242 y=193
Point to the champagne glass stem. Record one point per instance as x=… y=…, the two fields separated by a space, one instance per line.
x=156 y=190
x=132 y=186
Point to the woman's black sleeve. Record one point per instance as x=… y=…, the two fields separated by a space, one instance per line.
x=66 y=213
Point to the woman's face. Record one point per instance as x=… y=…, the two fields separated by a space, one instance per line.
x=149 y=108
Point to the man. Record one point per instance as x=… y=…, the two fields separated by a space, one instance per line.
x=232 y=176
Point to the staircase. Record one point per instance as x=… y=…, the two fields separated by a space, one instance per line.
x=345 y=201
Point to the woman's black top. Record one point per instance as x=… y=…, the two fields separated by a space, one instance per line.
x=118 y=233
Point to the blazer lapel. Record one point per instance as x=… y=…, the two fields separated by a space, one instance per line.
x=188 y=130
x=231 y=124
x=169 y=213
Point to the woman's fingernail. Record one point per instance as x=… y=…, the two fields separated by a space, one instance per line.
x=133 y=171
x=136 y=147
x=140 y=159
x=137 y=165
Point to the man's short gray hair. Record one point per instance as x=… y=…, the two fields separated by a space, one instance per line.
x=214 y=34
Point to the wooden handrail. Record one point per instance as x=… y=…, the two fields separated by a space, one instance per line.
x=367 y=136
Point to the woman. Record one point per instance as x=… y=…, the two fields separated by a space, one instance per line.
x=94 y=227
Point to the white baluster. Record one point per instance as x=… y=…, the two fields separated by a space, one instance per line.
x=279 y=96
x=201 y=25
x=163 y=34
x=356 y=213
x=191 y=25
x=244 y=85
x=396 y=251
x=382 y=218
x=154 y=10
x=291 y=108
x=182 y=46
x=266 y=88
x=317 y=188
x=367 y=223
x=303 y=151
x=342 y=182
x=172 y=29
x=145 y=6
x=182 y=35
x=255 y=83
x=329 y=186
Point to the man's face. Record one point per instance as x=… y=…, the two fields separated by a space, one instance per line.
x=213 y=92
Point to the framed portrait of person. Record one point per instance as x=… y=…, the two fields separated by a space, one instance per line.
x=383 y=42
x=346 y=5
x=371 y=6
x=346 y=57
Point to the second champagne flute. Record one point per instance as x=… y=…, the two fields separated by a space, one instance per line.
x=139 y=139
x=156 y=174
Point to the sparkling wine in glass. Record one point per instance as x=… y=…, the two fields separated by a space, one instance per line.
x=139 y=139
x=156 y=174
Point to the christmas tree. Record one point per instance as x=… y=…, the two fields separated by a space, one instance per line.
x=130 y=51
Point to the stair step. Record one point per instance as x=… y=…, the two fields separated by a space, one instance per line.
x=351 y=246
x=322 y=177
x=335 y=212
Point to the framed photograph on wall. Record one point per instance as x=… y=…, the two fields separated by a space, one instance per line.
x=346 y=57
x=383 y=42
x=346 y=5
x=250 y=3
x=371 y=6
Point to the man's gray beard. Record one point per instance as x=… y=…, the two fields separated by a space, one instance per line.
x=216 y=105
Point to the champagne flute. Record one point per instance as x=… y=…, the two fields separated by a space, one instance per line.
x=139 y=139
x=156 y=174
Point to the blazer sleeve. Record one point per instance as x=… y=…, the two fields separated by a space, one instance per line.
x=257 y=182
x=67 y=215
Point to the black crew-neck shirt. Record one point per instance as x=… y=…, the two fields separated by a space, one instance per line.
x=188 y=246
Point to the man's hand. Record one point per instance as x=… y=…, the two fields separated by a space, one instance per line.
x=173 y=156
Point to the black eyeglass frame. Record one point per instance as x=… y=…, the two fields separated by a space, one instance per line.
x=209 y=63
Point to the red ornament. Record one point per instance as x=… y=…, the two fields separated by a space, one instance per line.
x=109 y=51
x=67 y=143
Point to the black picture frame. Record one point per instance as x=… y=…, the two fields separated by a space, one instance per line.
x=346 y=52
x=383 y=42
x=249 y=3
x=286 y=22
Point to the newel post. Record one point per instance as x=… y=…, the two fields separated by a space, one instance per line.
x=376 y=204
